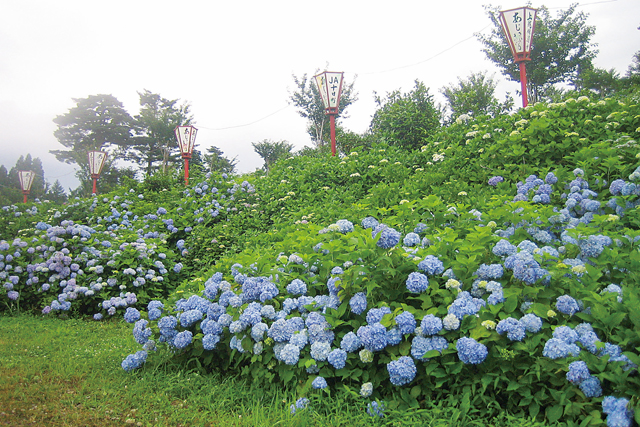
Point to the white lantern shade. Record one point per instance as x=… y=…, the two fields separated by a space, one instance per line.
x=519 y=25
x=96 y=162
x=330 y=87
x=26 y=180
x=186 y=137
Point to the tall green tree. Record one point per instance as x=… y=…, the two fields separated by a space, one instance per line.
x=562 y=49
x=216 y=161
x=154 y=145
x=475 y=95
x=56 y=193
x=406 y=119
x=271 y=151
x=98 y=122
x=308 y=102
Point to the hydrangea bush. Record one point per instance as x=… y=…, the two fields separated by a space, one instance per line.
x=490 y=307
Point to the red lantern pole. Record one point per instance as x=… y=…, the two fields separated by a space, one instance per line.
x=332 y=122
x=24 y=193
x=186 y=171
x=523 y=83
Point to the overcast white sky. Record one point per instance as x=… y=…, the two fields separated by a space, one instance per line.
x=233 y=60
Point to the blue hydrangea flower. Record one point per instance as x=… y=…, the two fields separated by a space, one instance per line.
x=556 y=349
x=565 y=334
x=209 y=341
x=578 y=372
x=297 y=287
x=389 y=237
x=401 y=371
x=299 y=405
x=320 y=351
x=618 y=412
x=358 y=303
x=406 y=322
x=134 y=361
x=591 y=387
x=513 y=328
x=421 y=346
x=300 y=339
x=411 y=240
x=319 y=383
x=369 y=222
x=290 y=354
x=344 y=226
x=431 y=265
x=417 y=283
x=375 y=409
x=567 y=305
x=140 y=331
x=373 y=337
x=470 y=351
x=431 y=324
x=131 y=315
x=531 y=322
x=190 y=317
x=350 y=342
x=337 y=358
x=375 y=314
x=504 y=248
x=182 y=339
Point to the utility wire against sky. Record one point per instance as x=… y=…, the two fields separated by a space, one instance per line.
x=400 y=67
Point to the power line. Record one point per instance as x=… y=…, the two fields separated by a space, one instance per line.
x=247 y=124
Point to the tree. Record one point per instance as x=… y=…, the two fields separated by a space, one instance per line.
x=56 y=193
x=216 y=162
x=155 y=141
x=406 y=119
x=308 y=102
x=475 y=95
x=561 y=50
x=271 y=151
x=600 y=81
x=98 y=122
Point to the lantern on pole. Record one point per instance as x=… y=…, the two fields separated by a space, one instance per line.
x=26 y=180
x=96 y=163
x=186 y=136
x=330 y=87
x=519 y=25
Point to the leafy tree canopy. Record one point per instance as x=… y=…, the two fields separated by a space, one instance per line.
x=562 y=49
x=216 y=161
x=98 y=122
x=155 y=143
x=406 y=119
x=475 y=96
x=306 y=98
x=271 y=151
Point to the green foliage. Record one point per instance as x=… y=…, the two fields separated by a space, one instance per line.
x=271 y=151
x=475 y=95
x=97 y=122
x=280 y=227
x=406 y=119
x=562 y=48
x=155 y=141
x=216 y=162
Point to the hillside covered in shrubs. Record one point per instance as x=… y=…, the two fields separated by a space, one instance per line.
x=496 y=267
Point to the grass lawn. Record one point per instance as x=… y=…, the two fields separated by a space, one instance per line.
x=66 y=372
